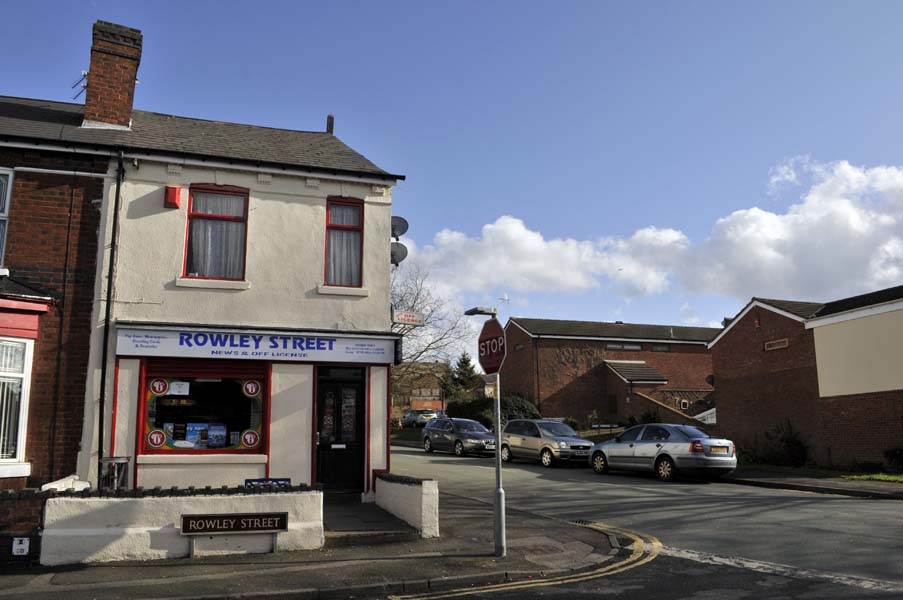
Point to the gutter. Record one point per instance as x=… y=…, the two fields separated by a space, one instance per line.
x=206 y=161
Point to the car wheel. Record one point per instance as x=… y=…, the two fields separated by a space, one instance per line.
x=427 y=445
x=664 y=469
x=546 y=458
x=459 y=449
x=600 y=463
x=506 y=454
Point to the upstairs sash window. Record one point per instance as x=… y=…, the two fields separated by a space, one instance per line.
x=344 y=242
x=217 y=232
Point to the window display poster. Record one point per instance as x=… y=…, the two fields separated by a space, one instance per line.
x=196 y=433
x=191 y=420
x=216 y=435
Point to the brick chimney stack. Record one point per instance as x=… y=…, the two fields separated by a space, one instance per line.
x=115 y=55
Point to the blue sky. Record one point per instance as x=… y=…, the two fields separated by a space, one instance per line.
x=643 y=161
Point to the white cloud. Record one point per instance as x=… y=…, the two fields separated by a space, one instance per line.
x=844 y=235
x=509 y=256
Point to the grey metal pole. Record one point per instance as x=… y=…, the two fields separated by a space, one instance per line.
x=501 y=544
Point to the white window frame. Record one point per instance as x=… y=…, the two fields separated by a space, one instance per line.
x=4 y=215
x=17 y=467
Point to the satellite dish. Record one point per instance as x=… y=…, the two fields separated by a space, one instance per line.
x=399 y=227
x=397 y=253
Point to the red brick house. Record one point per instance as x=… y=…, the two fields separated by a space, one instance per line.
x=831 y=371
x=610 y=372
x=49 y=230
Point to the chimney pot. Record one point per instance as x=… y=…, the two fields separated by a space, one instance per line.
x=330 y=124
x=115 y=56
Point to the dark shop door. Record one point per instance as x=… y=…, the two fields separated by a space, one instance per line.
x=341 y=437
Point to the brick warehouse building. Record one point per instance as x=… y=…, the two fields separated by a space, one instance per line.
x=608 y=371
x=831 y=371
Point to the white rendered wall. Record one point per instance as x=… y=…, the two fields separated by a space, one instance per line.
x=416 y=505
x=291 y=425
x=127 y=394
x=378 y=420
x=79 y=530
x=284 y=274
x=199 y=470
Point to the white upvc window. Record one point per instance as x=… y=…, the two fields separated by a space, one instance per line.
x=15 y=377
x=6 y=187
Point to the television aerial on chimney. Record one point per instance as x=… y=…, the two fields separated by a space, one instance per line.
x=81 y=81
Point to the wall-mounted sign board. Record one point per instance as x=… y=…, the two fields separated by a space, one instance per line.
x=234 y=523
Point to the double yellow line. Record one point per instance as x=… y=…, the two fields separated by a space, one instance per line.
x=644 y=548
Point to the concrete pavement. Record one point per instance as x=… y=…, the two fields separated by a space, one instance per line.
x=538 y=547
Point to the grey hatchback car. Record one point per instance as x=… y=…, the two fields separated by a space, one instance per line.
x=665 y=449
x=546 y=441
x=461 y=436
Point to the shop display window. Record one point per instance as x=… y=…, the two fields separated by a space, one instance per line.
x=203 y=414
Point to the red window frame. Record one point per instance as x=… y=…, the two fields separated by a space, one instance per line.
x=222 y=370
x=330 y=202
x=216 y=189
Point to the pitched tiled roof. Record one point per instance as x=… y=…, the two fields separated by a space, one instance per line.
x=635 y=371
x=616 y=330
x=60 y=123
x=861 y=301
x=804 y=310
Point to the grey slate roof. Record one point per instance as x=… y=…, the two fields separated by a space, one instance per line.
x=616 y=330
x=10 y=288
x=60 y=123
x=861 y=301
x=812 y=310
x=805 y=310
x=636 y=371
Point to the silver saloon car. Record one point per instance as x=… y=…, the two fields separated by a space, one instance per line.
x=665 y=449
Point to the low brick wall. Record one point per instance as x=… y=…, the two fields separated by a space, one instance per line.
x=414 y=501
x=21 y=514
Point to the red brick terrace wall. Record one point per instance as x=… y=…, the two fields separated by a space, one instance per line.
x=572 y=373
x=756 y=391
x=518 y=372
x=41 y=233
x=859 y=428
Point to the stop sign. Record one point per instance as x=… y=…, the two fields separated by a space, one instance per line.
x=492 y=346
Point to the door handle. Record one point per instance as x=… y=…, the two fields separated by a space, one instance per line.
x=318 y=438
x=658 y=445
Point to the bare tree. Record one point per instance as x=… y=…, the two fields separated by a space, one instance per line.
x=444 y=330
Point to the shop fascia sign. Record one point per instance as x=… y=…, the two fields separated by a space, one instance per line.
x=253 y=345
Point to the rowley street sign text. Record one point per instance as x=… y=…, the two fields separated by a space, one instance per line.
x=234 y=523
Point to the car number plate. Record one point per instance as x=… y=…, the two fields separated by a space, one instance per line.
x=582 y=453
x=719 y=450
x=490 y=446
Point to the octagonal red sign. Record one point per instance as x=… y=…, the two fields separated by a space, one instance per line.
x=491 y=346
